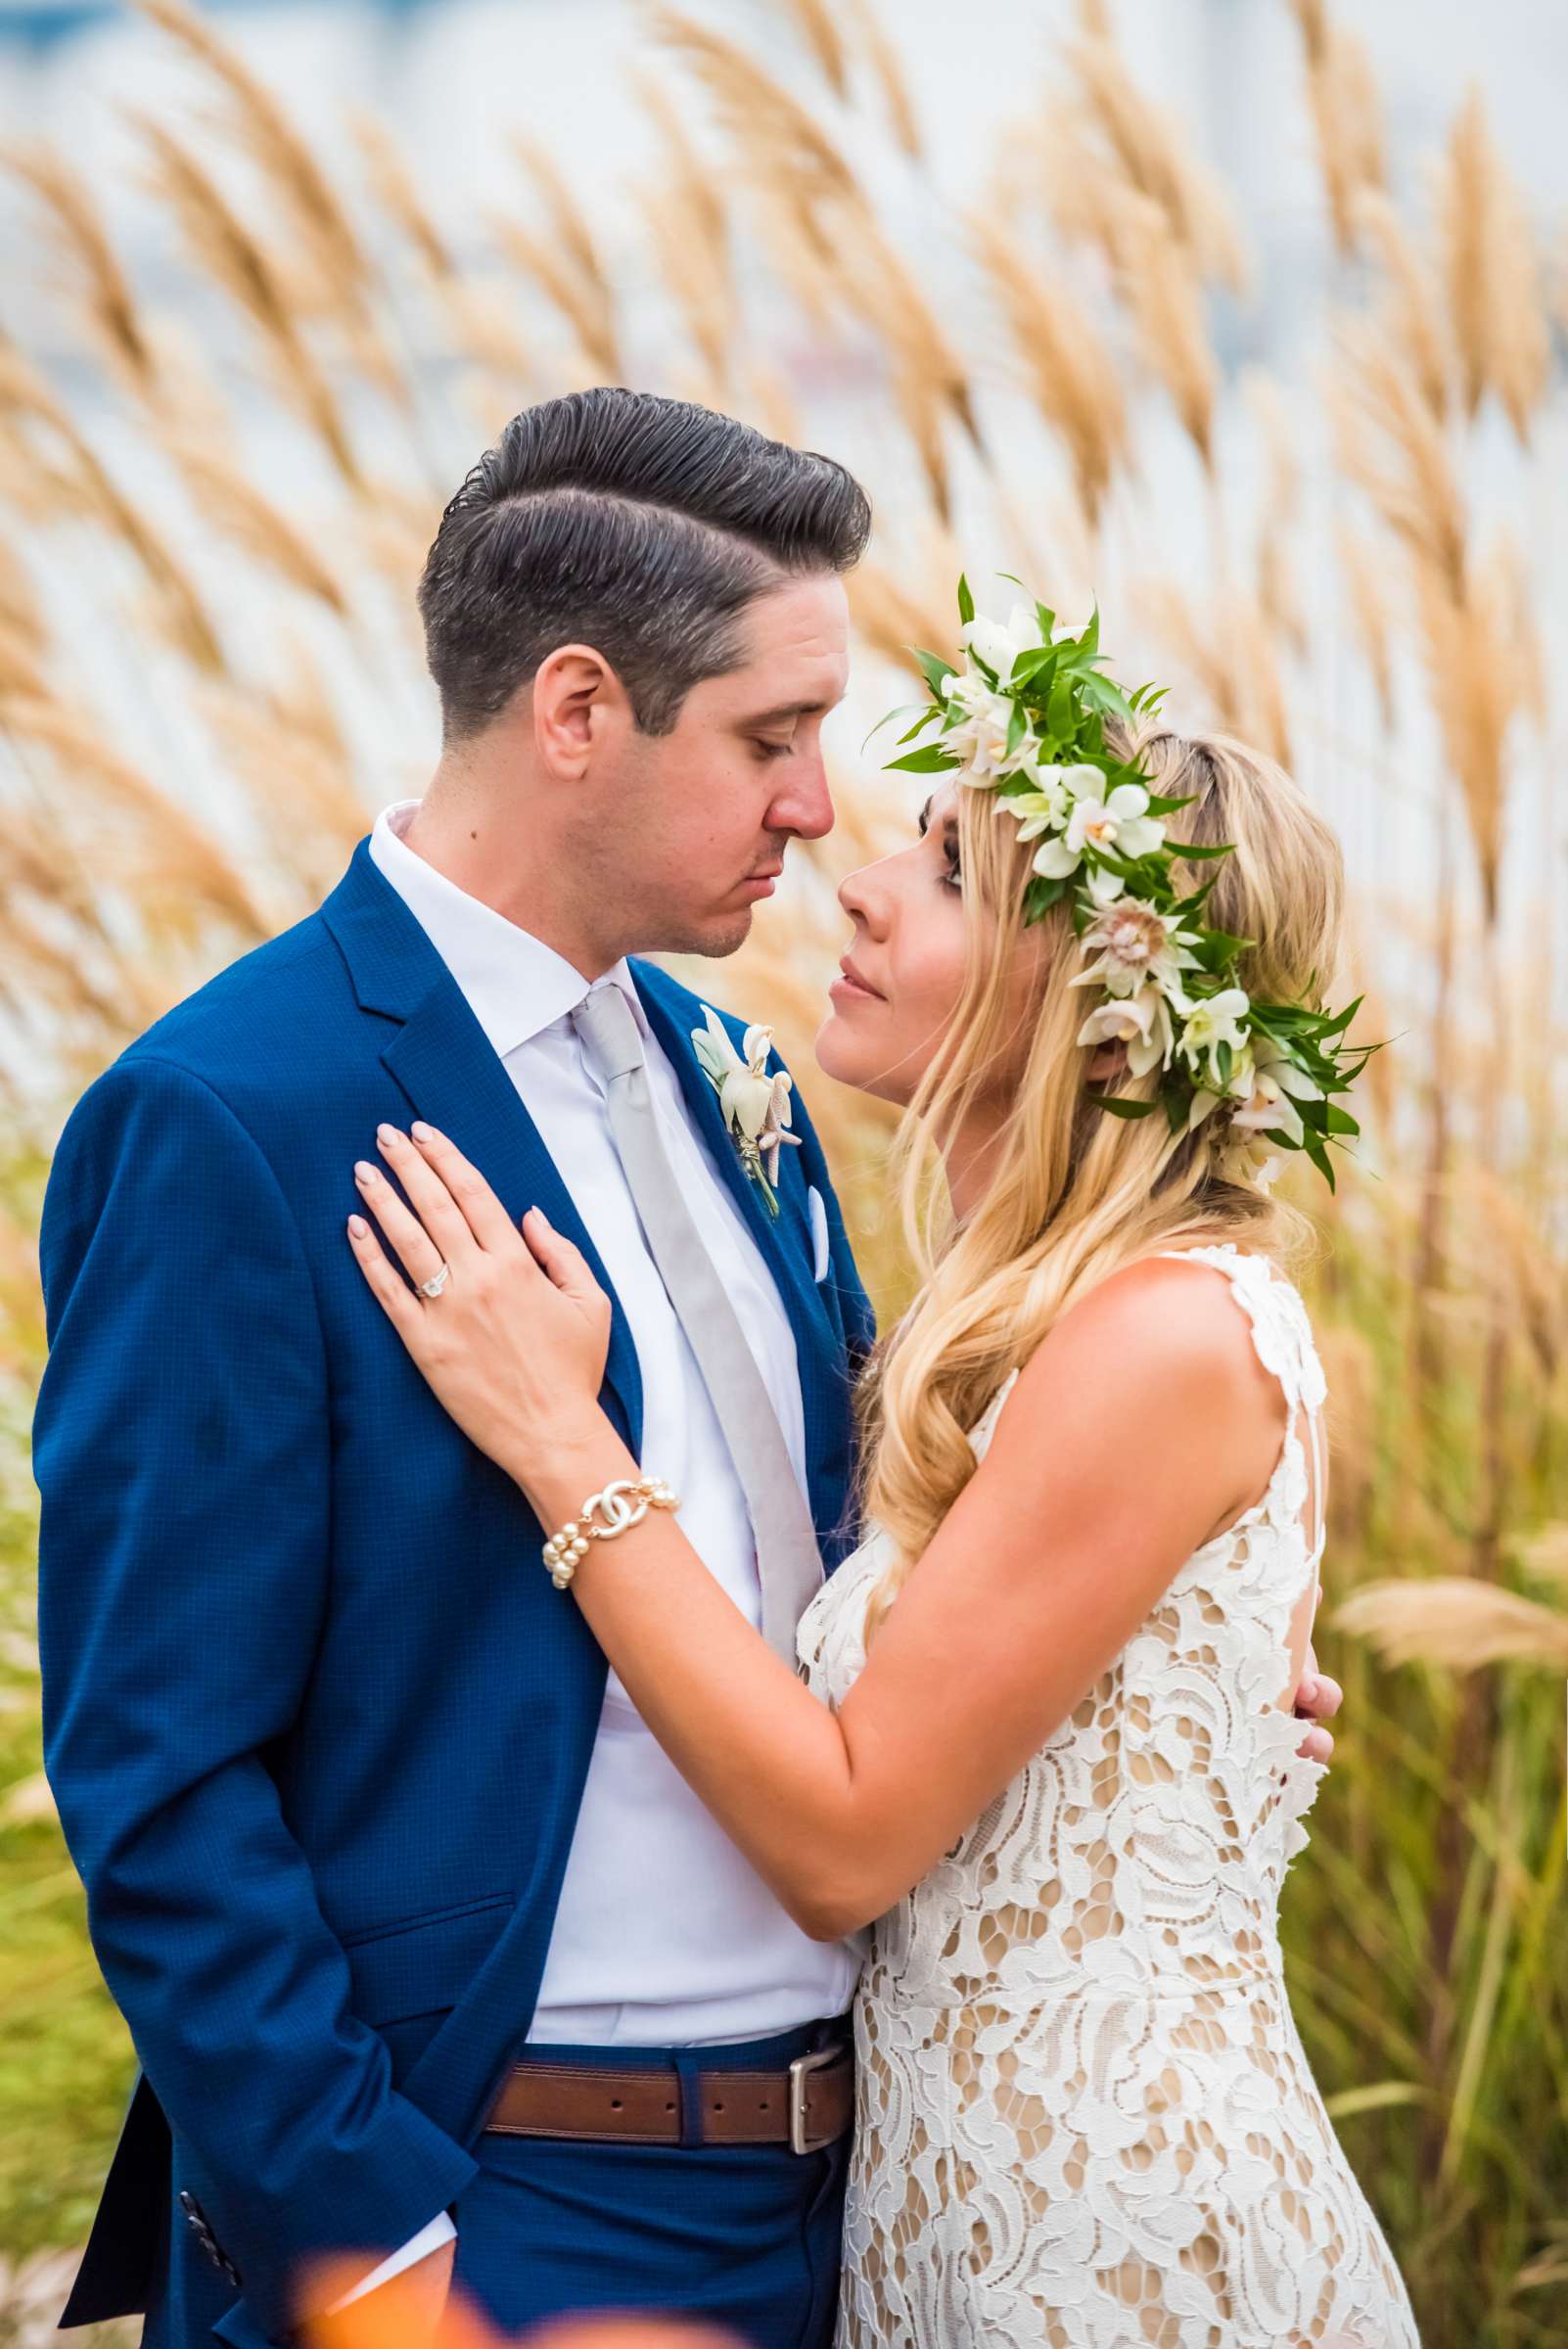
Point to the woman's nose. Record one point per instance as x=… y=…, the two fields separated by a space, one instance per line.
x=864 y=898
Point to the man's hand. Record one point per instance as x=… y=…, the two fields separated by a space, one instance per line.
x=1317 y=1699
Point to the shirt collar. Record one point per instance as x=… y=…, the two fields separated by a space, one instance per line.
x=514 y=984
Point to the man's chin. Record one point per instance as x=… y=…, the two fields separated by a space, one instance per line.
x=725 y=934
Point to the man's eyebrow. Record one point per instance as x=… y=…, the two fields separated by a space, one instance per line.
x=785 y=709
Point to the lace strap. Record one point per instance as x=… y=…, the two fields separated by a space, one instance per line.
x=1282 y=1335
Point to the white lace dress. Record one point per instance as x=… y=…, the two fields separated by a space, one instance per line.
x=1086 y=2120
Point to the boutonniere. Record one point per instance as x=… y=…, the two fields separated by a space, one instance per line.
x=756 y=1106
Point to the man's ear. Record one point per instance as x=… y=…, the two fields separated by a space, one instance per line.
x=576 y=696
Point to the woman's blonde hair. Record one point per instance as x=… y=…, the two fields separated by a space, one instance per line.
x=1074 y=1192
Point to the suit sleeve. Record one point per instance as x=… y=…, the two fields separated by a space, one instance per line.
x=182 y=1458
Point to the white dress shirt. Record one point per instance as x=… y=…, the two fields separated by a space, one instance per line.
x=664 y=1935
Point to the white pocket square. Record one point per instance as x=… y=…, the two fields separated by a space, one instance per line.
x=816 y=1216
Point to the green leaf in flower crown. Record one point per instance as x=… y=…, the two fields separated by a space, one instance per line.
x=1040 y=894
x=1341 y=1019
x=1017 y=728
x=1059 y=708
x=1217 y=948
x=1338 y=1121
x=1224 y=1061
x=966 y=602
x=920 y=724
x=921 y=712
x=1190 y=847
x=1164 y=807
x=1121 y=1108
x=1089 y=644
x=1032 y=664
x=1101 y=694
x=932 y=668
x=1316 y=1151
x=1191 y=906
x=1175 y=1103
x=930 y=760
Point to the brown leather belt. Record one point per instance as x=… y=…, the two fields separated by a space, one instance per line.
x=805 y=2107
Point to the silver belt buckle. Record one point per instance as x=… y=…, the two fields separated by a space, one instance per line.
x=802 y=2065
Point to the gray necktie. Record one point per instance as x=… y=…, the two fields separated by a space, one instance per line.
x=788 y=1561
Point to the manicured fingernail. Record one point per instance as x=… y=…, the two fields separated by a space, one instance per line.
x=420 y=1131
x=385 y=1134
x=358 y=1226
x=365 y=1172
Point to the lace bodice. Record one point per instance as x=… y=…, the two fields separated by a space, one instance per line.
x=1086 y=2117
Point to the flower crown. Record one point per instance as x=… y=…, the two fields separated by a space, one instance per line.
x=1025 y=719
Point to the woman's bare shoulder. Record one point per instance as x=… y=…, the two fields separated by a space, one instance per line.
x=1159 y=1338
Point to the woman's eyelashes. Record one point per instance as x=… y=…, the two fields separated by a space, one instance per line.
x=771 y=750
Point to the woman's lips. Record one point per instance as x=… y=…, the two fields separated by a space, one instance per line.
x=852 y=987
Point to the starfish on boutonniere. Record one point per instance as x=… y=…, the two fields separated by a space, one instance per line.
x=754 y=1106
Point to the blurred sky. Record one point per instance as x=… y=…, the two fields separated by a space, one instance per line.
x=455 y=80
x=457 y=77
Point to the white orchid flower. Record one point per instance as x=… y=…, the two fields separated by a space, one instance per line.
x=1141 y=1022
x=1000 y=646
x=774 y=1132
x=745 y=1091
x=1116 y=819
x=1210 y=1022
x=1268 y=1110
x=1138 y=944
x=1043 y=809
x=754 y=1106
x=1270 y=1107
x=980 y=738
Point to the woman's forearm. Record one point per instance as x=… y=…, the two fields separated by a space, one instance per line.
x=764 y=1756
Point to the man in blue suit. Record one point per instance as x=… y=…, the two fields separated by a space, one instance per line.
x=429 y=1957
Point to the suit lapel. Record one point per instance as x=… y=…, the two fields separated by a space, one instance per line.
x=783 y=1242
x=445 y=1064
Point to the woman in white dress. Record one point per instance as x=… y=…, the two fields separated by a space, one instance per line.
x=1043 y=1745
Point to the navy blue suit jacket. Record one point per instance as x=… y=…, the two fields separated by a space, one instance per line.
x=316 y=1721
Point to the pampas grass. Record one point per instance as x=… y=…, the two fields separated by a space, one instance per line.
x=1346 y=115
x=1011 y=375
x=1493 y=274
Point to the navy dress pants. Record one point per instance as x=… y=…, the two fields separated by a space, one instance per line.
x=745 y=2237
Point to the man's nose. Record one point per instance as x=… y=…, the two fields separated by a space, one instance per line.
x=804 y=806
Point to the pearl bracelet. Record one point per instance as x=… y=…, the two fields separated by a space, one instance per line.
x=625 y=1503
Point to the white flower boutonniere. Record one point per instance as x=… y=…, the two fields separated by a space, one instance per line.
x=756 y=1106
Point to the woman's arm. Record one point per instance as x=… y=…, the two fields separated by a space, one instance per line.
x=1140 y=1427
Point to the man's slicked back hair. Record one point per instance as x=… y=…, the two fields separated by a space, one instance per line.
x=640 y=526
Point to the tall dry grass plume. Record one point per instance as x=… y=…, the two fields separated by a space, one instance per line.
x=210 y=677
